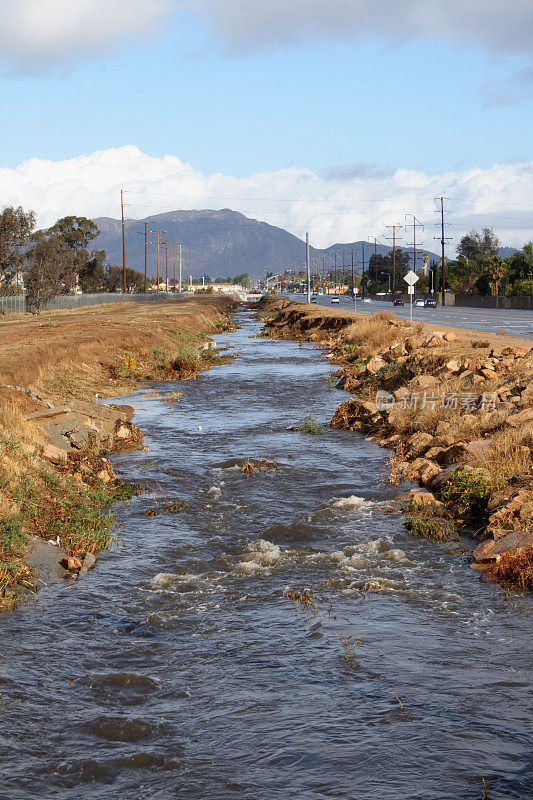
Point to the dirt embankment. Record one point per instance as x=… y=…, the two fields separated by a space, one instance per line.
x=55 y=477
x=456 y=408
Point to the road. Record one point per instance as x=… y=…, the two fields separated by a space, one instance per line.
x=512 y=323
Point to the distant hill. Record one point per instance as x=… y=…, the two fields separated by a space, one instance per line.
x=219 y=243
x=503 y=252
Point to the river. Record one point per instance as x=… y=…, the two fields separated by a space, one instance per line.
x=178 y=668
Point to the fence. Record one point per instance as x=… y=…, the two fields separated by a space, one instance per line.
x=17 y=303
x=524 y=302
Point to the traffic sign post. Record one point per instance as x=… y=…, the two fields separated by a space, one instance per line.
x=410 y=279
x=355 y=293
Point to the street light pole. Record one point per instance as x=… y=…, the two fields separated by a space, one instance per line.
x=307 y=267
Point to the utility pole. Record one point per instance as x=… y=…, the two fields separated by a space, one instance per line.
x=124 y=288
x=180 y=270
x=353 y=282
x=158 y=248
x=375 y=262
x=335 y=289
x=145 y=234
x=443 y=240
x=307 y=267
x=166 y=266
x=363 y=275
x=324 y=273
x=393 y=238
x=416 y=224
x=174 y=281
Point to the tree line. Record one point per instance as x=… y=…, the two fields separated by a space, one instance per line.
x=55 y=261
x=479 y=269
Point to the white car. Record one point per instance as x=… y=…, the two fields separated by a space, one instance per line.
x=419 y=303
x=367 y=300
x=334 y=299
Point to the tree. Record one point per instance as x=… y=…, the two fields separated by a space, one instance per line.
x=50 y=270
x=134 y=279
x=76 y=233
x=496 y=270
x=475 y=246
x=16 y=226
x=243 y=280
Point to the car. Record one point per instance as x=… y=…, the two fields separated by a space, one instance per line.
x=419 y=303
x=430 y=303
x=399 y=302
x=314 y=298
x=320 y=293
x=367 y=300
x=334 y=299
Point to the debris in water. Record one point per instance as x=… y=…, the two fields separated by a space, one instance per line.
x=398 y=699
x=350 y=647
x=248 y=466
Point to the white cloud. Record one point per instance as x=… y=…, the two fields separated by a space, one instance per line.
x=37 y=33
x=345 y=208
x=244 y=25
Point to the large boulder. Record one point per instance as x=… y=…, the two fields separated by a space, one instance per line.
x=418 y=444
x=491 y=550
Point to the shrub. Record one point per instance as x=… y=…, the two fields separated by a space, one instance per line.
x=311 y=425
x=428 y=522
x=470 y=491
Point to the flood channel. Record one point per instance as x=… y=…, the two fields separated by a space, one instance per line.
x=179 y=668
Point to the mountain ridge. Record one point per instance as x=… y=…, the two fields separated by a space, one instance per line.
x=220 y=243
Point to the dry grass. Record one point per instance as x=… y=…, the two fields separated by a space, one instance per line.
x=371 y=333
x=507 y=458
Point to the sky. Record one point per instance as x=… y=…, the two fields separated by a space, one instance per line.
x=336 y=118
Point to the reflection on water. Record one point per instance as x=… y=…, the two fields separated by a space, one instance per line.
x=181 y=667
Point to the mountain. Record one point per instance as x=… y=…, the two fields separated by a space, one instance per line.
x=504 y=252
x=219 y=243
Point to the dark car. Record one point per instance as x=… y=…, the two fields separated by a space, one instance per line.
x=399 y=302
x=430 y=303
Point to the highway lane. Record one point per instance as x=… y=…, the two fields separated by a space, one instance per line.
x=512 y=323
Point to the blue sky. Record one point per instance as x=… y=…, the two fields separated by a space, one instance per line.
x=352 y=99
x=419 y=105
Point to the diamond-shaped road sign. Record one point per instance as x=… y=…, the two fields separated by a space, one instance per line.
x=411 y=278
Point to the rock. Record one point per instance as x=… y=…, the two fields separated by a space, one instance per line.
x=492 y=550
x=488 y=373
x=376 y=363
x=104 y=476
x=453 y=366
x=444 y=475
x=427 y=471
x=433 y=453
x=128 y=411
x=421 y=383
x=434 y=341
x=451 y=455
x=54 y=454
x=419 y=443
x=450 y=336
x=524 y=417
x=49 y=412
x=477 y=448
x=89 y=561
x=516 y=352
x=412 y=343
x=526 y=511
x=71 y=563
x=423 y=498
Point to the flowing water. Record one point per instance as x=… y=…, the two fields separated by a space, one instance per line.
x=178 y=668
